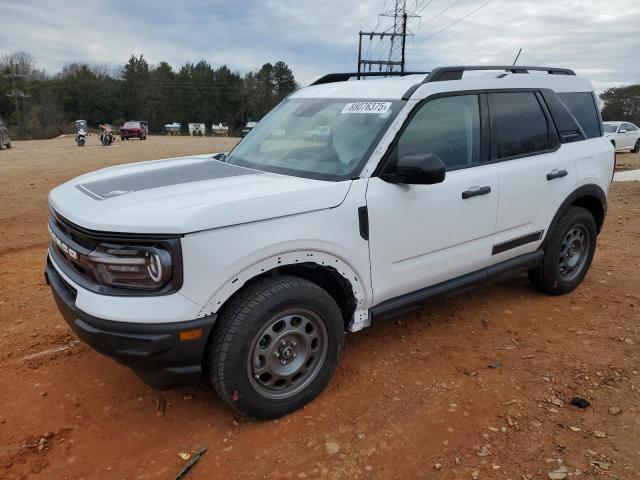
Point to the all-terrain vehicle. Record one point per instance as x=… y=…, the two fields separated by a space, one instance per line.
x=81 y=132
x=106 y=137
x=247 y=268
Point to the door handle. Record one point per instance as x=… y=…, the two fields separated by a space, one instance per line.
x=475 y=191
x=555 y=173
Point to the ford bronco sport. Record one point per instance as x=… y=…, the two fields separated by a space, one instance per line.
x=247 y=268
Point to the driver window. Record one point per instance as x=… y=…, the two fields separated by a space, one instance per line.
x=448 y=127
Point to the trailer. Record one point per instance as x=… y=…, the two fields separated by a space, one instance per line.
x=220 y=130
x=197 y=129
x=173 y=128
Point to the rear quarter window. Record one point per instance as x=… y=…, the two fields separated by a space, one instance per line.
x=520 y=124
x=583 y=107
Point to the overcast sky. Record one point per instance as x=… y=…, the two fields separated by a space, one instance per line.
x=599 y=39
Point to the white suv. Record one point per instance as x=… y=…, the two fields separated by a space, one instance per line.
x=248 y=268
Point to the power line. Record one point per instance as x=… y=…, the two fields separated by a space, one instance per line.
x=459 y=20
x=443 y=11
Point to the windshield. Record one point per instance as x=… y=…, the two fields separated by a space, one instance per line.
x=610 y=128
x=327 y=139
x=131 y=125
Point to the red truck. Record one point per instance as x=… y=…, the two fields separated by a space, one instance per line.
x=134 y=129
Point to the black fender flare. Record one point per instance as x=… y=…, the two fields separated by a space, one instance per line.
x=588 y=190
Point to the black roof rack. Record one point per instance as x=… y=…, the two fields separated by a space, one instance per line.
x=343 y=77
x=455 y=73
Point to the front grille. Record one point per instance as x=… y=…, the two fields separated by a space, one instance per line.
x=70 y=250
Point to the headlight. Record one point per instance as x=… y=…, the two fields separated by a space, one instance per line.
x=131 y=266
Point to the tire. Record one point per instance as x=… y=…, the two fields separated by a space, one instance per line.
x=568 y=253
x=636 y=148
x=9 y=145
x=279 y=325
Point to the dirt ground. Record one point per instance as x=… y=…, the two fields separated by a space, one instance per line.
x=477 y=387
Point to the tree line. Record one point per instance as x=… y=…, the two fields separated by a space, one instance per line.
x=37 y=104
x=622 y=104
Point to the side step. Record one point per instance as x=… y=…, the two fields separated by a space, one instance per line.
x=450 y=288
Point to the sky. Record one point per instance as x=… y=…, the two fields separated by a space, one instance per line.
x=598 y=39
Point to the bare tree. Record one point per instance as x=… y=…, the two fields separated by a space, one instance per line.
x=18 y=63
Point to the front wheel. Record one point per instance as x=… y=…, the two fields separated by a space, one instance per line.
x=636 y=147
x=568 y=253
x=275 y=346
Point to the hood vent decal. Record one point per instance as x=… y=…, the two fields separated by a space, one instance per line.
x=161 y=177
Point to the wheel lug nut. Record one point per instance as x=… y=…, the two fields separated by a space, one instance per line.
x=283 y=343
x=276 y=354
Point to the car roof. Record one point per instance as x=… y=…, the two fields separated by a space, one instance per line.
x=398 y=87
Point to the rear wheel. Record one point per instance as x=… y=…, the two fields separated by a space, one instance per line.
x=275 y=346
x=568 y=253
x=636 y=148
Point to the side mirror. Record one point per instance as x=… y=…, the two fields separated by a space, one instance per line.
x=219 y=156
x=417 y=169
x=622 y=130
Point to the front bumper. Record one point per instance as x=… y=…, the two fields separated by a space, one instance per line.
x=155 y=352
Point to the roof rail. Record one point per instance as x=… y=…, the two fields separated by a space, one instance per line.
x=455 y=73
x=343 y=77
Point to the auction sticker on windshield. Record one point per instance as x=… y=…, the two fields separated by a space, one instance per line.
x=366 y=107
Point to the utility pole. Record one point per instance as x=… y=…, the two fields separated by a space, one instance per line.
x=15 y=93
x=397 y=34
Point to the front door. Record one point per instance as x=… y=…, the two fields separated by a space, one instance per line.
x=421 y=235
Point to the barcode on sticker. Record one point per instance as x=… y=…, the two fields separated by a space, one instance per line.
x=366 y=107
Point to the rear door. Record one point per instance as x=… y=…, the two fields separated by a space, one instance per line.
x=421 y=235
x=535 y=174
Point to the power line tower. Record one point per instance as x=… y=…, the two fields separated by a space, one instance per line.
x=397 y=34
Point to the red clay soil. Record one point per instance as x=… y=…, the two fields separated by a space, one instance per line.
x=413 y=398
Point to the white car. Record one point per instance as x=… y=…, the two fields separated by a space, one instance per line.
x=248 y=268
x=623 y=135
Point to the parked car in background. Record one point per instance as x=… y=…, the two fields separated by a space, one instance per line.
x=133 y=129
x=623 y=135
x=5 y=137
x=248 y=127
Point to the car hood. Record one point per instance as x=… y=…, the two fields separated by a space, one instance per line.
x=183 y=195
